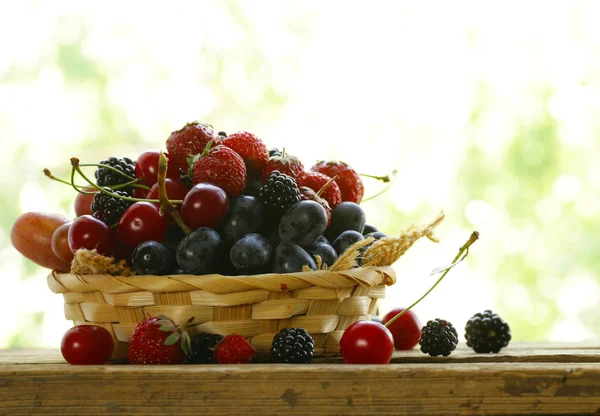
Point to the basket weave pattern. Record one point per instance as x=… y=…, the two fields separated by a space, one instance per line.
x=323 y=302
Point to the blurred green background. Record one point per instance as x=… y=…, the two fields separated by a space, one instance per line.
x=489 y=112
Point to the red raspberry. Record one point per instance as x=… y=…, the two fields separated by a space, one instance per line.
x=316 y=181
x=158 y=340
x=190 y=140
x=284 y=163
x=349 y=182
x=307 y=194
x=222 y=167
x=252 y=150
x=234 y=349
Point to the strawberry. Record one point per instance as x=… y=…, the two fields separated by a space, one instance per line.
x=190 y=140
x=284 y=163
x=222 y=167
x=234 y=349
x=308 y=194
x=349 y=182
x=158 y=340
x=252 y=150
x=316 y=180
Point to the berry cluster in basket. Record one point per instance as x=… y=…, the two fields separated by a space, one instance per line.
x=212 y=203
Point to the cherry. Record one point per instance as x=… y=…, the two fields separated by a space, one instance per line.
x=87 y=345
x=60 y=243
x=176 y=190
x=367 y=342
x=146 y=167
x=83 y=203
x=406 y=330
x=141 y=222
x=90 y=233
x=139 y=193
x=205 y=205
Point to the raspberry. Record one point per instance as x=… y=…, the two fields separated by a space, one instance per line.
x=487 y=332
x=108 y=208
x=234 y=349
x=293 y=345
x=203 y=349
x=279 y=193
x=438 y=337
x=108 y=177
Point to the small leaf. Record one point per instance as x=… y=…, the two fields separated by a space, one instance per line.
x=186 y=343
x=442 y=269
x=166 y=328
x=172 y=339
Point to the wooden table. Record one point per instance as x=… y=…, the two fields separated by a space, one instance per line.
x=545 y=379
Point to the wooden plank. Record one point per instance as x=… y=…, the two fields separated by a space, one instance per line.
x=416 y=389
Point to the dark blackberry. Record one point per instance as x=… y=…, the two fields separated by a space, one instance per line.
x=438 y=337
x=279 y=193
x=222 y=134
x=487 y=332
x=293 y=345
x=274 y=152
x=108 y=177
x=203 y=349
x=109 y=209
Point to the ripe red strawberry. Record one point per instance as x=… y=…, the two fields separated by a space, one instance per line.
x=316 y=181
x=190 y=140
x=252 y=150
x=222 y=167
x=284 y=163
x=349 y=182
x=234 y=349
x=308 y=194
x=158 y=340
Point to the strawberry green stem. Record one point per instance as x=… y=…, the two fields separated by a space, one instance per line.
x=76 y=168
x=165 y=204
x=459 y=257
x=390 y=183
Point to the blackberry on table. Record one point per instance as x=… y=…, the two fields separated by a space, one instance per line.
x=279 y=193
x=203 y=349
x=108 y=177
x=293 y=345
x=438 y=337
x=109 y=209
x=487 y=332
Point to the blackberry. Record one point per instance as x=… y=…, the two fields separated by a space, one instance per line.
x=438 y=337
x=487 y=332
x=108 y=177
x=222 y=134
x=203 y=349
x=293 y=345
x=279 y=193
x=108 y=208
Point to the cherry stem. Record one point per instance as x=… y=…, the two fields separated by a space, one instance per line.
x=114 y=188
x=385 y=178
x=165 y=204
x=100 y=165
x=464 y=249
x=329 y=182
x=76 y=168
x=54 y=178
x=390 y=183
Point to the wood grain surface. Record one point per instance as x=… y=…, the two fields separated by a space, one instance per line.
x=544 y=379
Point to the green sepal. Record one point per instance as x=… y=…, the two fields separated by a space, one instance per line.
x=172 y=339
x=186 y=342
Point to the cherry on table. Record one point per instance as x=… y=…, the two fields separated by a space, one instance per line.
x=367 y=342
x=406 y=330
x=87 y=345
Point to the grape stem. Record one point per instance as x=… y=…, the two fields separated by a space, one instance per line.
x=166 y=206
x=463 y=252
x=75 y=168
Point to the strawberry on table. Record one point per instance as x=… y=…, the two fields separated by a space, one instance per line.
x=190 y=140
x=284 y=163
x=158 y=340
x=349 y=182
x=316 y=181
x=252 y=150
x=222 y=167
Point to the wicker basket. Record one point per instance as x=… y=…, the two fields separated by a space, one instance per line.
x=324 y=302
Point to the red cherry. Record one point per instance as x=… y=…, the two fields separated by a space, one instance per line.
x=139 y=193
x=141 y=222
x=205 y=205
x=60 y=243
x=367 y=342
x=175 y=190
x=87 y=345
x=146 y=167
x=90 y=233
x=83 y=203
x=406 y=330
